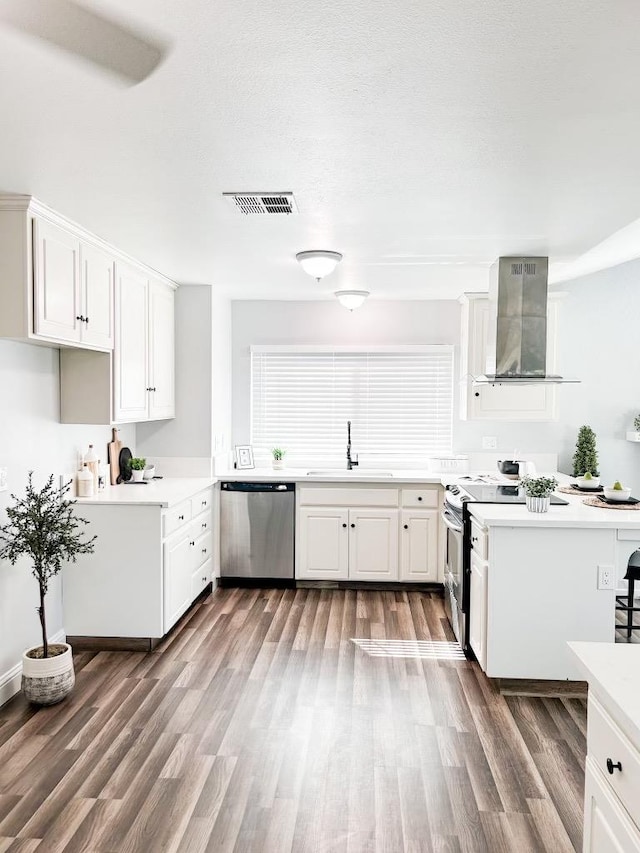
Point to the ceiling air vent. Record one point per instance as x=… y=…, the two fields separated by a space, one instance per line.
x=253 y=203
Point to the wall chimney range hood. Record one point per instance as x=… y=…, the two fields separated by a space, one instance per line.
x=517 y=351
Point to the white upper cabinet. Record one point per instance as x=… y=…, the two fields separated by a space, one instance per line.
x=500 y=402
x=130 y=363
x=97 y=297
x=56 y=292
x=144 y=351
x=161 y=351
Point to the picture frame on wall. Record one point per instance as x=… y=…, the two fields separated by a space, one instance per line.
x=244 y=456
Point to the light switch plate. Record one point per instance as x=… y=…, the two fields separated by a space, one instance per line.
x=489 y=442
x=3 y=480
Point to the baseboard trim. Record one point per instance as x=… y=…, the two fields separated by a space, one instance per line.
x=10 y=680
x=541 y=688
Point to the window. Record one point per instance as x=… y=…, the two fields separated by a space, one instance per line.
x=399 y=401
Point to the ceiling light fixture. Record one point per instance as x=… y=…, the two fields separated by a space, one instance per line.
x=351 y=298
x=318 y=262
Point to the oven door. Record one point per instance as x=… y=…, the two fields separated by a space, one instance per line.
x=453 y=574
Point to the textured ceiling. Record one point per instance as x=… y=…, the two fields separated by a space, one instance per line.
x=422 y=139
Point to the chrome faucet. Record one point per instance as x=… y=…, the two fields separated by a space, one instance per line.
x=351 y=462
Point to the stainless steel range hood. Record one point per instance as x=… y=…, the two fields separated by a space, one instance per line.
x=517 y=343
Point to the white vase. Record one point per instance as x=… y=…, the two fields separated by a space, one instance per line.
x=46 y=681
x=538 y=504
x=137 y=476
x=277 y=464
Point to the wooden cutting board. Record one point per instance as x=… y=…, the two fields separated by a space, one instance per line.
x=114 y=447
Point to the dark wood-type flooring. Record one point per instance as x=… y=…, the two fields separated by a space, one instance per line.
x=260 y=725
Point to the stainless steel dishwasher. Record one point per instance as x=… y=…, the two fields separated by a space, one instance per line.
x=256 y=532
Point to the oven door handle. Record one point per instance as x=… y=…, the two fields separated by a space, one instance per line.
x=450 y=522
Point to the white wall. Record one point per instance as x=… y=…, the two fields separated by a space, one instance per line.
x=31 y=438
x=598 y=343
x=376 y=322
x=202 y=425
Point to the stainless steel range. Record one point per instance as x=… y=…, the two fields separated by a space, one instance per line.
x=487 y=488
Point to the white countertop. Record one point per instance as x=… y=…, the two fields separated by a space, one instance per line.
x=575 y=514
x=613 y=673
x=165 y=493
x=357 y=475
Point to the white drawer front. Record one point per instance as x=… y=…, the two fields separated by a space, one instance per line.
x=201 y=549
x=200 y=578
x=479 y=540
x=420 y=498
x=175 y=518
x=202 y=502
x=607 y=743
x=348 y=497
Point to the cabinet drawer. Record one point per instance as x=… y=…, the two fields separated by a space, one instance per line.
x=201 y=503
x=348 y=497
x=175 y=518
x=606 y=741
x=479 y=540
x=420 y=498
x=201 y=549
x=200 y=578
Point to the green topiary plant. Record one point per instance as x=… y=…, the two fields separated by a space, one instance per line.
x=43 y=527
x=586 y=456
x=278 y=454
x=538 y=487
x=636 y=423
x=137 y=463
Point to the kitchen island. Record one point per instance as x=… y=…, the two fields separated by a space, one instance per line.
x=539 y=580
x=154 y=555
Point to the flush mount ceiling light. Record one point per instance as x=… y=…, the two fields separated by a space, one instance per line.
x=351 y=298
x=318 y=262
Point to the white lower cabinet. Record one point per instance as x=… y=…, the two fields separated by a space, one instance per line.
x=367 y=537
x=373 y=544
x=478 y=609
x=177 y=579
x=148 y=566
x=323 y=544
x=607 y=826
x=419 y=545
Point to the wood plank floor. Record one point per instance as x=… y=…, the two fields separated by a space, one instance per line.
x=293 y=720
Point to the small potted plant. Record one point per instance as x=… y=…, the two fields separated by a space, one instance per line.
x=634 y=434
x=137 y=465
x=537 y=492
x=43 y=527
x=278 y=455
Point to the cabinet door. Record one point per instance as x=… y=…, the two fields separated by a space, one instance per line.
x=177 y=579
x=97 y=297
x=501 y=402
x=478 y=610
x=56 y=294
x=607 y=827
x=130 y=373
x=323 y=544
x=200 y=577
x=419 y=545
x=161 y=351
x=373 y=544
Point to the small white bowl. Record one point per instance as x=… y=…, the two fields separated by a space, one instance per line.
x=617 y=494
x=149 y=472
x=593 y=483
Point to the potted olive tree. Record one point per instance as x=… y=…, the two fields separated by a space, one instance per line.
x=43 y=527
x=537 y=491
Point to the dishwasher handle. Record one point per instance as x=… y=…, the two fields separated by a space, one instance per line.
x=233 y=486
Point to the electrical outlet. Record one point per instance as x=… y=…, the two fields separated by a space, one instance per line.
x=605 y=577
x=489 y=442
x=3 y=480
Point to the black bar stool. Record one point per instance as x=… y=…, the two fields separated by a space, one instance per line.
x=625 y=603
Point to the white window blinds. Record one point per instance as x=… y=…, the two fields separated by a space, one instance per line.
x=399 y=401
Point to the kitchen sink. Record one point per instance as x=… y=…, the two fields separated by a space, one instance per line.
x=338 y=472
